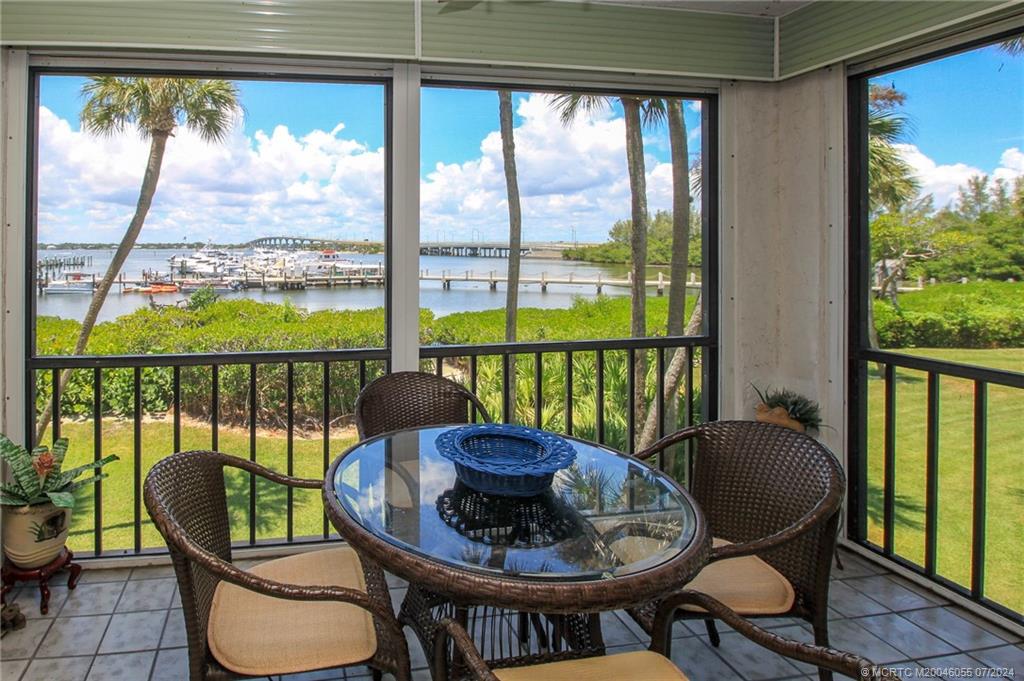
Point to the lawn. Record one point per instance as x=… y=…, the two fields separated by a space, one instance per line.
x=157 y=435
x=1005 y=529
x=1004 y=578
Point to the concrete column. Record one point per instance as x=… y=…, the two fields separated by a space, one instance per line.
x=783 y=244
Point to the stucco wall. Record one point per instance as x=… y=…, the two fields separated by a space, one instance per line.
x=782 y=243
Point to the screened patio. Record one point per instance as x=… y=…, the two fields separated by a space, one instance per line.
x=785 y=273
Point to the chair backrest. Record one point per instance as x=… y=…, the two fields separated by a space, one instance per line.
x=754 y=479
x=410 y=399
x=185 y=496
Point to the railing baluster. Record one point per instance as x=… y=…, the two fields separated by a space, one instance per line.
x=137 y=437
x=889 y=484
x=506 y=398
x=538 y=391
x=631 y=417
x=472 y=383
x=689 y=392
x=439 y=367
x=362 y=374
x=660 y=401
x=176 y=398
x=97 y=454
x=688 y=413
x=980 y=489
x=289 y=491
x=215 y=406
x=253 y=406
x=932 y=476
x=568 y=392
x=327 y=434
x=599 y=407
x=55 y=406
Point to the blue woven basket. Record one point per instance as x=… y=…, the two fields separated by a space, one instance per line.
x=506 y=460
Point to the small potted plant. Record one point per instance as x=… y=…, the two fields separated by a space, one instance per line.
x=38 y=501
x=787 y=408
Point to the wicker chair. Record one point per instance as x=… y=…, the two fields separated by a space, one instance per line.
x=772 y=498
x=410 y=399
x=313 y=610
x=652 y=664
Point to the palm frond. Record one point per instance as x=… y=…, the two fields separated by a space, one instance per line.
x=1013 y=46
x=150 y=104
x=570 y=105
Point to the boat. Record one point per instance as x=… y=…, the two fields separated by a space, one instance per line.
x=69 y=286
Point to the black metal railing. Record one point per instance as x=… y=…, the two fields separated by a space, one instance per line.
x=268 y=406
x=880 y=515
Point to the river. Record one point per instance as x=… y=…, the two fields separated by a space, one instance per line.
x=461 y=297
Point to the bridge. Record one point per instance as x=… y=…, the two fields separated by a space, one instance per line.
x=466 y=249
x=302 y=243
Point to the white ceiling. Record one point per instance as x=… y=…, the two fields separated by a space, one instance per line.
x=764 y=8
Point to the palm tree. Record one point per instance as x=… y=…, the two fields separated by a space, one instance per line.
x=672 y=111
x=891 y=180
x=154 y=107
x=515 y=228
x=637 y=111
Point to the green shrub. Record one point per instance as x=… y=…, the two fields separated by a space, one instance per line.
x=985 y=314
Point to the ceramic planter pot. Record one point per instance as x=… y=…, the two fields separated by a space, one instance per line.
x=779 y=416
x=34 y=535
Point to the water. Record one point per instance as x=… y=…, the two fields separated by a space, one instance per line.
x=462 y=297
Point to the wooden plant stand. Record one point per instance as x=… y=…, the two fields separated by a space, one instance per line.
x=12 y=574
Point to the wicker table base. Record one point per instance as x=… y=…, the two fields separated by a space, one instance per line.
x=504 y=637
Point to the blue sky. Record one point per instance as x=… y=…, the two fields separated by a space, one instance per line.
x=968 y=108
x=308 y=159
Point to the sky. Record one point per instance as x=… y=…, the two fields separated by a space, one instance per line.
x=308 y=159
x=966 y=117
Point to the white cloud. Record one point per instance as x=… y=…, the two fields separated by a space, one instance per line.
x=320 y=183
x=943 y=181
x=324 y=183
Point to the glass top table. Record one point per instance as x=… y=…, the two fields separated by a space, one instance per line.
x=605 y=517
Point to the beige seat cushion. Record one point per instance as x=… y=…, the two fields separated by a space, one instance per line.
x=637 y=665
x=258 y=635
x=746 y=584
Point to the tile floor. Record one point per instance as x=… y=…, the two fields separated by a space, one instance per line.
x=126 y=624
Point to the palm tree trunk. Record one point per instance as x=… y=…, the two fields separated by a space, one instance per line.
x=678 y=268
x=673 y=378
x=680 y=217
x=149 y=182
x=638 y=243
x=515 y=232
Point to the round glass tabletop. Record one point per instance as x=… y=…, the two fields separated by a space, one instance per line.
x=605 y=516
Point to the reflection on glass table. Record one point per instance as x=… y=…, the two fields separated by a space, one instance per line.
x=605 y=516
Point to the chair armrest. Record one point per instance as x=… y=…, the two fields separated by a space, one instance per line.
x=822 y=511
x=267 y=473
x=829 y=658
x=667 y=441
x=471 y=658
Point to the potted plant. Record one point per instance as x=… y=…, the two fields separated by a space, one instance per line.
x=38 y=501
x=787 y=408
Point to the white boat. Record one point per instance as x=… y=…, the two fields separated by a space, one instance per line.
x=69 y=286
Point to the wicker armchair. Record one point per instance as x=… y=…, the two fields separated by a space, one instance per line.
x=309 y=611
x=651 y=664
x=772 y=498
x=410 y=399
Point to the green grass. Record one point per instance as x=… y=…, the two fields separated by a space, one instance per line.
x=1004 y=578
x=157 y=436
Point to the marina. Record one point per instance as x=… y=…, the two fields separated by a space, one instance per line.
x=319 y=279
